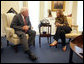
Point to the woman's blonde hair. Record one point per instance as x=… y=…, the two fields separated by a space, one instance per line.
x=60 y=12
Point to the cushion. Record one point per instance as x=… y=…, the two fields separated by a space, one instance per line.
x=69 y=19
x=16 y=37
x=72 y=35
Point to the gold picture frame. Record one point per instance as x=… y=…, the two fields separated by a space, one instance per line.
x=56 y=5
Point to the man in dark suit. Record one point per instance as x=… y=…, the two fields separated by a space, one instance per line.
x=22 y=26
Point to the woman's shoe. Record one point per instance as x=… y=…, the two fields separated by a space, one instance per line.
x=54 y=43
x=64 y=48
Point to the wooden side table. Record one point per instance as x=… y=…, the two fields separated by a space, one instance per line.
x=48 y=35
x=76 y=46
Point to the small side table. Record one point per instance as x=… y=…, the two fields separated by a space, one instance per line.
x=48 y=35
x=76 y=46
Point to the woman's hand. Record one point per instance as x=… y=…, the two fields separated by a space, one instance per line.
x=58 y=24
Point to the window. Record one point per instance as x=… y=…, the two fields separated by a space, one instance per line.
x=34 y=10
x=80 y=15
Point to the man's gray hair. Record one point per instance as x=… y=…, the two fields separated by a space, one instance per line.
x=23 y=9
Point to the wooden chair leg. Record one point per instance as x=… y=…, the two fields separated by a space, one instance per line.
x=34 y=43
x=7 y=43
x=71 y=56
x=69 y=39
x=39 y=41
x=16 y=48
x=48 y=39
x=56 y=46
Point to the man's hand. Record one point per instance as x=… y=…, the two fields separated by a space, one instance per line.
x=25 y=28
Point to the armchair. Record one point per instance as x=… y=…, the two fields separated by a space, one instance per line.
x=10 y=33
x=74 y=33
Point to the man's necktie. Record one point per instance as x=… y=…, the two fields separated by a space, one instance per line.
x=25 y=21
x=25 y=24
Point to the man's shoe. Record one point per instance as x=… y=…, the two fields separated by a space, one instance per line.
x=31 y=55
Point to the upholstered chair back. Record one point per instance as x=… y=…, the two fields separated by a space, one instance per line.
x=69 y=19
x=8 y=17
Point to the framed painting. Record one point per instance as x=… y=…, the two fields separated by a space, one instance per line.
x=56 y=5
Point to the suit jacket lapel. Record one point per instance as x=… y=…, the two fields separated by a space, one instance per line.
x=27 y=20
x=21 y=19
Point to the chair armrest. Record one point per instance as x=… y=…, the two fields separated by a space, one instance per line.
x=75 y=26
x=31 y=27
x=9 y=32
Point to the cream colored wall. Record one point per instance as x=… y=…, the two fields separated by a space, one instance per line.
x=74 y=13
x=44 y=6
x=25 y=3
x=70 y=8
x=17 y=5
x=6 y=5
x=41 y=9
